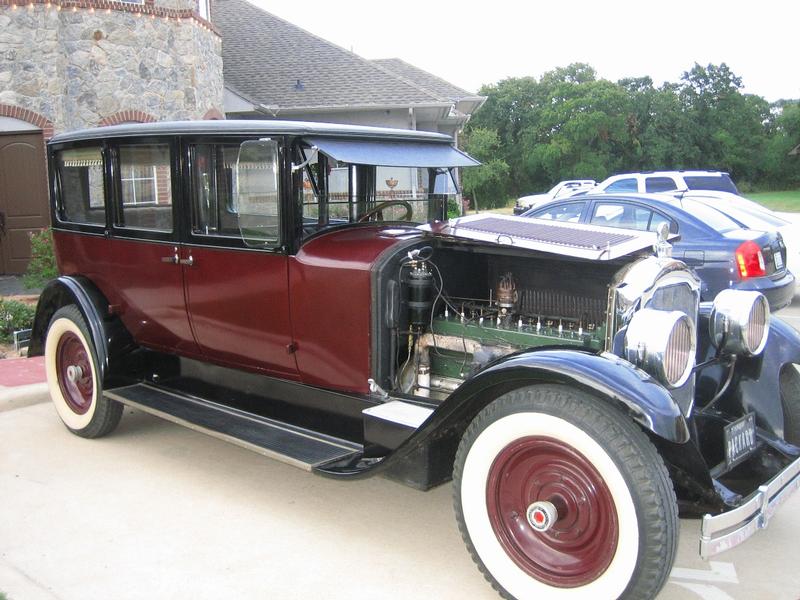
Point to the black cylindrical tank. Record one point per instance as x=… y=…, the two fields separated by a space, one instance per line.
x=420 y=295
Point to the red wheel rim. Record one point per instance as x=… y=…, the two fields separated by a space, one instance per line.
x=73 y=359
x=582 y=542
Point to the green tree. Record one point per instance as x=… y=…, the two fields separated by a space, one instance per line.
x=487 y=184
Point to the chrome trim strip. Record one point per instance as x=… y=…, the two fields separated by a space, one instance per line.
x=754 y=514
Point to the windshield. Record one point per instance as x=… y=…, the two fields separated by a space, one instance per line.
x=714 y=183
x=336 y=193
x=710 y=216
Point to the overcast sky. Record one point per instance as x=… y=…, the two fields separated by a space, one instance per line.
x=474 y=43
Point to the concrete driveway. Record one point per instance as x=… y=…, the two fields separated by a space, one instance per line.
x=157 y=511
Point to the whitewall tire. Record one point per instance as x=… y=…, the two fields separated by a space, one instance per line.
x=73 y=376
x=559 y=495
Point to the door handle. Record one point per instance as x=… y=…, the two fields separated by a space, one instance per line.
x=187 y=261
x=2 y=223
x=174 y=259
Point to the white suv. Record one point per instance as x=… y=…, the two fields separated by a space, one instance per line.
x=667 y=181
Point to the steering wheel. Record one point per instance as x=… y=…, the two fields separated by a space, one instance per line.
x=378 y=210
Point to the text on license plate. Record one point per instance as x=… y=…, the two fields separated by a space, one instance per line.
x=778 y=260
x=740 y=439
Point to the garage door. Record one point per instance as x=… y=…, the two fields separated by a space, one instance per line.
x=23 y=197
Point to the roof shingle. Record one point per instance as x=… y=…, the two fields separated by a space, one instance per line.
x=277 y=64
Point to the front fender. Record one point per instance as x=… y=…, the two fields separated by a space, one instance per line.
x=758 y=378
x=604 y=375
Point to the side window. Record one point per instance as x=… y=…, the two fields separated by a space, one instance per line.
x=256 y=193
x=656 y=220
x=571 y=212
x=212 y=189
x=79 y=172
x=659 y=184
x=623 y=185
x=145 y=181
x=622 y=215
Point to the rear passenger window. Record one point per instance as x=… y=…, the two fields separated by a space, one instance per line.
x=659 y=184
x=623 y=185
x=79 y=173
x=145 y=187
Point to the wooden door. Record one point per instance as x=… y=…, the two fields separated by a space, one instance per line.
x=23 y=198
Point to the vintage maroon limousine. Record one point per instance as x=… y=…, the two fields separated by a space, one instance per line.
x=296 y=289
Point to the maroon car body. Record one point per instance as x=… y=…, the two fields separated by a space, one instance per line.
x=297 y=289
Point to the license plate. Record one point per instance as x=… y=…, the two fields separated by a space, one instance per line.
x=778 y=260
x=740 y=439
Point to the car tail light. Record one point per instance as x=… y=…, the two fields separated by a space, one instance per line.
x=750 y=260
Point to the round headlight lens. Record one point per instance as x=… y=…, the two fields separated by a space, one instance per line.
x=662 y=343
x=739 y=322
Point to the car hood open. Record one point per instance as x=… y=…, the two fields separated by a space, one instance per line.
x=565 y=239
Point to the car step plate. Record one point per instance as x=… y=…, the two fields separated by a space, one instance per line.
x=294 y=445
x=740 y=439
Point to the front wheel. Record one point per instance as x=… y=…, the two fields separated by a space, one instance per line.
x=73 y=376
x=559 y=495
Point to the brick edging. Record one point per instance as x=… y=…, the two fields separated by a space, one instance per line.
x=145 y=9
x=126 y=116
x=214 y=113
x=23 y=114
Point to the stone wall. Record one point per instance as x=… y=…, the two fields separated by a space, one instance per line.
x=77 y=63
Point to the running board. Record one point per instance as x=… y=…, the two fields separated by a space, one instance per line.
x=287 y=443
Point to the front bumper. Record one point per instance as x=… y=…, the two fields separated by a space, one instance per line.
x=727 y=530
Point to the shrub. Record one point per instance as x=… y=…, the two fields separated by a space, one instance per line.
x=42 y=267
x=14 y=316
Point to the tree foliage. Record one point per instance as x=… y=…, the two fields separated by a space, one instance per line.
x=569 y=124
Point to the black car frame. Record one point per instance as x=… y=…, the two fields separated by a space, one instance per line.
x=295 y=289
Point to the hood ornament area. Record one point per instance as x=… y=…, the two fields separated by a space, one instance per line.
x=663 y=248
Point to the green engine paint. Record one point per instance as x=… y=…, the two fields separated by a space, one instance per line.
x=447 y=363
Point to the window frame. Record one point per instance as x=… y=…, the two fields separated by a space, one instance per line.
x=56 y=188
x=673 y=224
x=189 y=236
x=116 y=206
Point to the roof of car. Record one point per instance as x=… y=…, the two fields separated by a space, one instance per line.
x=249 y=127
x=690 y=172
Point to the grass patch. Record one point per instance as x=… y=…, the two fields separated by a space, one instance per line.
x=788 y=201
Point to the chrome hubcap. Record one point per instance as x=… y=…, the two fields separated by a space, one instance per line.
x=542 y=515
x=74 y=373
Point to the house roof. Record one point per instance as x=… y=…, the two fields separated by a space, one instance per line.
x=276 y=65
x=795 y=151
x=434 y=84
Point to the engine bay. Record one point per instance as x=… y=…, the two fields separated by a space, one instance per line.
x=461 y=309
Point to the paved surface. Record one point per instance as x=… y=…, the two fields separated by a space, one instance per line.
x=158 y=511
x=11 y=285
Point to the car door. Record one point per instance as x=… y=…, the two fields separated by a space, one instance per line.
x=145 y=250
x=236 y=289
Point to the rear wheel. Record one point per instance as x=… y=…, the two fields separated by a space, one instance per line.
x=790 y=400
x=558 y=495
x=73 y=375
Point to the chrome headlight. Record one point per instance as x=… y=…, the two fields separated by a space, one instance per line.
x=662 y=343
x=739 y=322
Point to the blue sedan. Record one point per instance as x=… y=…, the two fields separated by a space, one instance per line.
x=723 y=252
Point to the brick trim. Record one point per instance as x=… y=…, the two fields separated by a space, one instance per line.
x=34 y=118
x=214 y=114
x=146 y=9
x=127 y=116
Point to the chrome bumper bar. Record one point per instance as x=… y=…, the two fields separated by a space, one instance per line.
x=727 y=530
